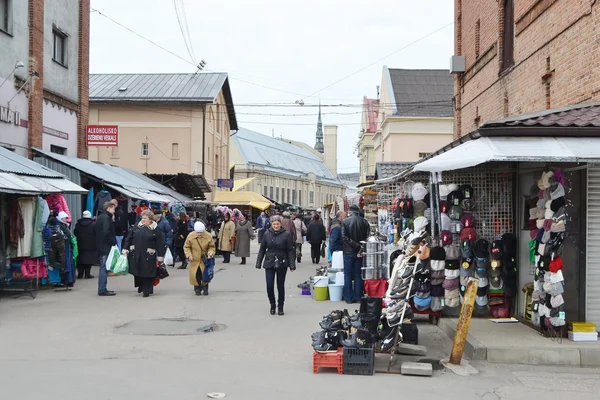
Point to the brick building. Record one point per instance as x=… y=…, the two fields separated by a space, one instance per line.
x=524 y=56
x=44 y=69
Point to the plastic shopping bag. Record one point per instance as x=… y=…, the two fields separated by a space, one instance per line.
x=111 y=259
x=122 y=266
x=169 y=257
x=209 y=269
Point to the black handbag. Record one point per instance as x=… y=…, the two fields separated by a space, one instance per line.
x=162 y=272
x=323 y=250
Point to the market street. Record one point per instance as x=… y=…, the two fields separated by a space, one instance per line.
x=66 y=346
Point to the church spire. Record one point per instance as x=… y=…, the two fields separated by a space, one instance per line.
x=319 y=136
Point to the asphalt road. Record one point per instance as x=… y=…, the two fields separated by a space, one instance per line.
x=79 y=346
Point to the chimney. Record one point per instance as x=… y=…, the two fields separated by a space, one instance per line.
x=330 y=145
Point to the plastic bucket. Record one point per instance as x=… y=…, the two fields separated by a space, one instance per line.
x=336 y=292
x=321 y=293
x=321 y=281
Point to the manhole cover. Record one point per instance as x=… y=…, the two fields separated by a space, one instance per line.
x=169 y=327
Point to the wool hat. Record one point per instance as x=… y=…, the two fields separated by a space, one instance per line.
x=420 y=223
x=482 y=301
x=543 y=249
x=533 y=212
x=468 y=204
x=466 y=248
x=199 y=227
x=419 y=191
x=452 y=273
x=539 y=223
x=446 y=237
x=438 y=265
x=557 y=288
x=557 y=301
x=547 y=225
x=556 y=205
x=556 y=191
x=436 y=303
x=445 y=222
x=452 y=298
x=63 y=217
x=455 y=198
x=481 y=248
x=437 y=290
x=541 y=213
x=542 y=203
x=544 y=182
x=467 y=191
x=452 y=265
x=438 y=253
x=469 y=234
x=468 y=220
x=452 y=253
x=556 y=264
x=455 y=213
x=548 y=214
x=86 y=214
x=419 y=208
x=556 y=277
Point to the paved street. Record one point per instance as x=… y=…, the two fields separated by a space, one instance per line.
x=71 y=346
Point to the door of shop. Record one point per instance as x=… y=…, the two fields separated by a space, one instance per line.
x=592 y=305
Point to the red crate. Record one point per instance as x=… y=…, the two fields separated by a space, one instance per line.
x=329 y=360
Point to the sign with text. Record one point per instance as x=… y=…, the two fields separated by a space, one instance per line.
x=102 y=135
x=225 y=183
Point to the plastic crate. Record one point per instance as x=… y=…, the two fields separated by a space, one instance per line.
x=410 y=333
x=329 y=360
x=359 y=361
x=583 y=327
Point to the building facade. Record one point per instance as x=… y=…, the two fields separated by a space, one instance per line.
x=365 y=149
x=168 y=123
x=44 y=73
x=283 y=171
x=415 y=114
x=524 y=56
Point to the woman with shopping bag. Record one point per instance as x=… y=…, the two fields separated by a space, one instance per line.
x=145 y=247
x=199 y=248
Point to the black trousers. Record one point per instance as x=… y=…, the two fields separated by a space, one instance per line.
x=278 y=275
x=145 y=284
x=226 y=256
x=181 y=254
x=315 y=252
x=83 y=270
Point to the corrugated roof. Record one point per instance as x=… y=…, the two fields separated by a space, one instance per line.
x=574 y=116
x=12 y=162
x=423 y=92
x=198 y=88
x=386 y=169
x=279 y=156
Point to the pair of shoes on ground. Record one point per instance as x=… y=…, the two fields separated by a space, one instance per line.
x=279 y=310
x=107 y=293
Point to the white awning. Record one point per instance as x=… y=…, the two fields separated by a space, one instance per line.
x=54 y=185
x=11 y=183
x=514 y=149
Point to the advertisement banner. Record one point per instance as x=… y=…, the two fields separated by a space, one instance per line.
x=102 y=135
x=225 y=183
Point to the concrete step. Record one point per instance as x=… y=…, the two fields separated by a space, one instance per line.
x=416 y=369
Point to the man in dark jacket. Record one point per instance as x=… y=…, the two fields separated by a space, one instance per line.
x=121 y=223
x=335 y=232
x=85 y=232
x=315 y=235
x=105 y=240
x=354 y=230
x=165 y=227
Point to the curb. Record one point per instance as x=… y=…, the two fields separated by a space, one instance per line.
x=474 y=350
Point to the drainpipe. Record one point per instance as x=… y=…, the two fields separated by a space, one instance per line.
x=203 y=137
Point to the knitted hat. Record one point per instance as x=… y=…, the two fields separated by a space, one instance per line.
x=555 y=205
x=557 y=301
x=556 y=277
x=467 y=191
x=452 y=252
x=556 y=288
x=446 y=237
x=556 y=264
x=438 y=253
x=468 y=234
x=419 y=191
x=481 y=248
x=557 y=191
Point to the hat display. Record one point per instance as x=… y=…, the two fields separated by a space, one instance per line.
x=455 y=213
x=445 y=222
x=468 y=233
x=446 y=237
x=452 y=253
x=455 y=198
x=419 y=191
x=467 y=191
x=438 y=253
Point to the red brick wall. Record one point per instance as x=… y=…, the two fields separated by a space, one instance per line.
x=564 y=30
x=36 y=64
x=84 y=77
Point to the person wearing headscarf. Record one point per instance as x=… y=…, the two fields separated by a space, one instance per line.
x=198 y=247
x=181 y=234
x=145 y=248
x=276 y=255
x=243 y=235
x=226 y=237
x=85 y=232
x=62 y=249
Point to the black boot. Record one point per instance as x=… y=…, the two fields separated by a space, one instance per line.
x=243 y=261
x=359 y=340
x=272 y=309
x=87 y=272
x=205 y=290
x=79 y=272
x=280 y=310
x=183 y=265
x=198 y=290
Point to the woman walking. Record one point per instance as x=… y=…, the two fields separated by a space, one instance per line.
x=180 y=236
x=198 y=246
x=85 y=232
x=145 y=247
x=277 y=252
x=316 y=235
x=226 y=237
x=243 y=235
x=300 y=233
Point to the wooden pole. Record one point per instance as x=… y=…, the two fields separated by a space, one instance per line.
x=464 y=320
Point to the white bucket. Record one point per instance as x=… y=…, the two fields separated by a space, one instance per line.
x=321 y=281
x=339 y=278
x=336 y=292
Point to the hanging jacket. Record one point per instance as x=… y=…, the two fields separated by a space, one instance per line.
x=37 y=243
x=89 y=203
x=57 y=203
x=102 y=197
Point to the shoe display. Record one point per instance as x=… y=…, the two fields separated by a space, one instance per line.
x=325 y=348
x=355 y=321
x=330 y=324
x=359 y=340
x=346 y=320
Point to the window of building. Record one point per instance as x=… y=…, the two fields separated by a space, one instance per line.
x=114 y=152
x=6 y=16
x=144 y=149
x=277 y=194
x=311 y=197
x=288 y=196
x=299 y=197
x=271 y=192
x=175 y=150
x=423 y=155
x=508 y=34
x=58 y=149
x=59 y=52
x=265 y=191
x=294 y=198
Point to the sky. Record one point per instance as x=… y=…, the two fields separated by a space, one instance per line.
x=277 y=53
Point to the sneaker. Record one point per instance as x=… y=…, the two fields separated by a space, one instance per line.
x=359 y=340
x=355 y=321
x=387 y=342
x=330 y=324
x=408 y=272
x=325 y=348
x=346 y=320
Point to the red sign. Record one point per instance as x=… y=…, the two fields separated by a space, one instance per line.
x=102 y=135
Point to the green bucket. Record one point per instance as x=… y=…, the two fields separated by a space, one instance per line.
x=321 y=293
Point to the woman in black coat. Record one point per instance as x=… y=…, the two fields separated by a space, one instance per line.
x=278 y=253
x=85 y=232
x=316 y=235
x=145 y=247
x=181 y=234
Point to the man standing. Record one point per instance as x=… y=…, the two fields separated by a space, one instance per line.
x=121 y=223
x=262 y=224
x=335 y=232
x=105 y=240
x=288 y=225
x=316 y=235
x=354 y=230
x=165 y=228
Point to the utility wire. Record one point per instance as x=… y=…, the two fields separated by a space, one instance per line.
x=188 y=44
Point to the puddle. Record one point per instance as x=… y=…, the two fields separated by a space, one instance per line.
x=169 y=327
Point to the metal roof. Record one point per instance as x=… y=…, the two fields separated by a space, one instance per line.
x=280 y=156
x=421 y=92
x=200 y=88
x=579 y=115
x=12 y=162
x=386 y=169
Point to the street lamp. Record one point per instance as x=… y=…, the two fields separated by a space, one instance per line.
x=18 y=64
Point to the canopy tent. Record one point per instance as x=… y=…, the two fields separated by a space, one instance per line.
x=240 y=183
x=513 y=149
x=242 y=198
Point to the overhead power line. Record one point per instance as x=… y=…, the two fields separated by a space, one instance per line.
x=182 y=22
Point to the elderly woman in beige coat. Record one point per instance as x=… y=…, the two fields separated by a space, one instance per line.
x=198 y=244
x=226 y=235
